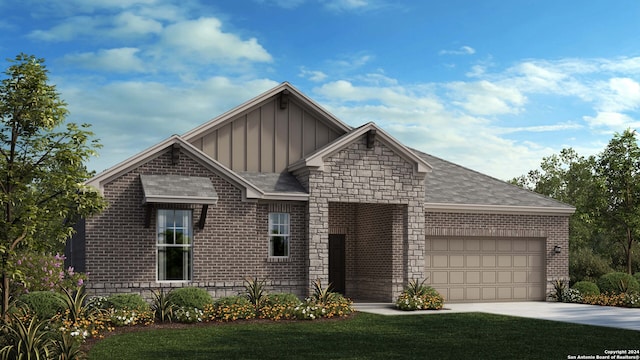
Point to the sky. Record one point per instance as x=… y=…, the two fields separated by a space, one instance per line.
x=493 y=85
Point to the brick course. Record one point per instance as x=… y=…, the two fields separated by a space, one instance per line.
x=121 y=252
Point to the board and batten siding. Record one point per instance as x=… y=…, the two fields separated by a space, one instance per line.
x=266 y=138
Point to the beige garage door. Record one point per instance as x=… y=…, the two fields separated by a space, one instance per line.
x=484 y=270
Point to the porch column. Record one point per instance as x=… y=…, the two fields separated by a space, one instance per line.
x=318 y=241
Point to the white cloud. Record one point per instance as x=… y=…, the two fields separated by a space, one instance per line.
x=313 y=75
x=341 y=5
x=612 y=121
x=204 y=41
x=129 y=24
x=120 y=60
x=487 y=98
x=69 y=29
x=621 y=94
x=463 y=50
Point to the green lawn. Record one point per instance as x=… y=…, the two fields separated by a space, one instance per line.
x=367 y=336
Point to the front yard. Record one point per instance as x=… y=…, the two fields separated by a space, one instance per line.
x=368 y=336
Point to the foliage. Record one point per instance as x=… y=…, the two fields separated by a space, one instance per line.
x=28 y=338
x=190 y=297
x=586 y=265
x=418 y=296
x=637 y=276
x=188 y=315
x=42 y=171
x=607 y=299
x=278 y=307
x=42 y=304
x=335 y=305
x=255 y=291
x=321 y=294
x=46 y=272
x=618 y=283
x=619 y=171
x=126 y=302
x=230 y=308
x=605 y=190
x=586 y=288
x=162 y=307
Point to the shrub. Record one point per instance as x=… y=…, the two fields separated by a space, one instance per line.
x=586 y=288
x=46 y=272
x=230 y=308
x=190 y=297
x=418 y=296
x=618 y=283
x=162 y=307
x=584 y=264
x=126 y=302
x=43 y=304
x=255 y=292
x=637 y=277
x=279 y=306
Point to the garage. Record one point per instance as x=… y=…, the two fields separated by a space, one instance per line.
x=486 y=269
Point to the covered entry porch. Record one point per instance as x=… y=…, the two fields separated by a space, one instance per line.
x=368 y=250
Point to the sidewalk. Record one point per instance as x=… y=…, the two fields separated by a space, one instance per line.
x=623 y=318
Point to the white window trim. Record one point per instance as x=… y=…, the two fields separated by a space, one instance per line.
x=287 y=235
x=158 y=246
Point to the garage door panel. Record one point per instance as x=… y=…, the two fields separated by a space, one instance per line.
x=468 y=269
x=473 y=261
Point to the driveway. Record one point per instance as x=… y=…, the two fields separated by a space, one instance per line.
x=624 y=318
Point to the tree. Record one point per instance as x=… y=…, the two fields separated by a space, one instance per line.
x=619 y=172
x=42 y=171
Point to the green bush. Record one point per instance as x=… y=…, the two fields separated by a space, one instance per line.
x=584 y=264
x=637 y=276
x=43 y=304
x=586 y=288
x=418 y=296
x=190 y=297
x=618 y=283
x=126 y=302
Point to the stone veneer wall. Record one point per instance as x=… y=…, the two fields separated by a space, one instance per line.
x=555 y=229
x=357 y=174
x=121 y=252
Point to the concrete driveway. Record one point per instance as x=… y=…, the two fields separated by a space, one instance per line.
x=624 y=318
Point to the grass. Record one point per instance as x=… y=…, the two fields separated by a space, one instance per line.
x=368 y=336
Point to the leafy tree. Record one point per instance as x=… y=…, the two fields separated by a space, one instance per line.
x=42 y=172
x=618 y=171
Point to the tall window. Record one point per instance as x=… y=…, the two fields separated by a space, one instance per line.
x=279 y=234
x=174 y=245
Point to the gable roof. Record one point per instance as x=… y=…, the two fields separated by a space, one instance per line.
x=316 y=159
x=451 y=187
x=256 y=101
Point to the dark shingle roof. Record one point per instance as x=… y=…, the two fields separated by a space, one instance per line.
x=449 y=183
x=175 y=188
x=274 y=182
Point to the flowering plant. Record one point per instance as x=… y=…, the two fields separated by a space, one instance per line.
x=46 y=272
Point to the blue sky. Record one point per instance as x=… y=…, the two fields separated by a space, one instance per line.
x=491 y=85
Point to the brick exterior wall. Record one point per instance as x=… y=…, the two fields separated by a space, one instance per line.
x=121 y=252
x=375 y=176
x=555 y=229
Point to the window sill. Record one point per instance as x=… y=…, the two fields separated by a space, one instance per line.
x=274 y=259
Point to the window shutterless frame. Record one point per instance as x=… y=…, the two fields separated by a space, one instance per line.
x=174 y=245
x=279 y=235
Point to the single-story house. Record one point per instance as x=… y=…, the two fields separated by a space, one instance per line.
x=280 y=189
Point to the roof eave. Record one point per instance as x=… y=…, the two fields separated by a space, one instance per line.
x=499 y=209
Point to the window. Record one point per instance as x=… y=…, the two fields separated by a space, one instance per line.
x=279 y=234
x=174 y=245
